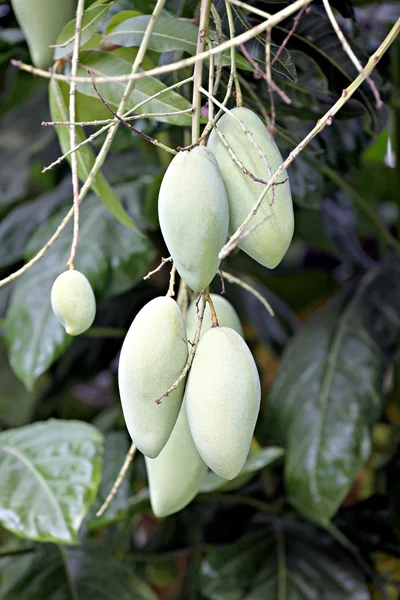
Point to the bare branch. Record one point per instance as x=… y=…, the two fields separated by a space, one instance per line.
x=232 y=279
x=160 y=266
x=118 y=481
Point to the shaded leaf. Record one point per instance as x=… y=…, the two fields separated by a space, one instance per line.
x=16 y=404
x=92 y=19
x=50 y=473
x=282 y=561
x=84 y=573
x=254 y=463
x=85 y=156
x=327 y=394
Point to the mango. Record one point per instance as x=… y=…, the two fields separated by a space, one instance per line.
x=41 y=21
x=223 y=400
x=268 y=243
x=152 y=358
x=177 y=473
x=226 y=314
x=194 y=215
x=73 y=301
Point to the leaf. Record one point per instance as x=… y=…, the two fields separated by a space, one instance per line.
x=16 y=404
x=285 y=560
x=50 y=472
x=326 y=395
x=115 y=448
x=103 y=63
x=92 y=19
x=254 y=463
x=85 y=156
x=111 y=256
x=82 y=573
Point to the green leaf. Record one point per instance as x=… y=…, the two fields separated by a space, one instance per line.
x=103 y=63
x=58 y=108
x=92 y=19
x=115 y=449
x=111 y=256
x=254 y=463
x=50 y=472
x=82 y=573
x=16 y=404
x=326 y=395
x=285 y=561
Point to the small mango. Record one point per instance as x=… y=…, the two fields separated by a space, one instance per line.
x=194 y=215
x=73 y=301
x=223 y=400
x=41 y=22
x=152 y=358
x=268 y=243
x=177 y=473
x=226 y=314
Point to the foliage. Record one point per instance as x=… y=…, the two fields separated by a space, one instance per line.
x=315 y=511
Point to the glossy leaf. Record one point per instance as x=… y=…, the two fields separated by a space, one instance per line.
x=326 y=395
x=111 y=256
x=285 y=560
x=92 y=19
x=85 y=156
x=254 y=463
x=50 y=472
x=83 y=573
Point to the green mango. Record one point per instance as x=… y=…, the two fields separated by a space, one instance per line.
x=223 y=400
x=152 y=358
x=268 y=243
x=194 y=215
x=177 y=473
x=41 y=21
x=73 y=301
x=226 y=314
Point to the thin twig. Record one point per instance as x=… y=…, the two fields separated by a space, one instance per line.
x=118 y=481
x=261 y=73
x=232 y=279
x=214 y=318
x=183 y=299
x=252 y=9
x=72 y=130
x=268 y=78
x=222 y=281
x=346 y=94
x=289 y=35
x=111 y=121
x=205 y=8
x=236 y=159
x=347 y=48
x=160 y=266
x=231 y=24
x=244 y=37
x=211 y=87
x=192 y=353
x=171 y=287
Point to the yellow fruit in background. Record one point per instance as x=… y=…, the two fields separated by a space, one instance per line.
x=73 y=301
x=223 y=400
x=194 y=215
x=152 y=358
x=226 y=314
x=177 y=473
x=268 y=243
x=41 y=21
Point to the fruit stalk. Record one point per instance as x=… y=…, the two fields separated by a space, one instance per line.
x=205 y=8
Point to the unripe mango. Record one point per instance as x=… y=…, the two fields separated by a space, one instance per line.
x=41 y=21
x=177 y=473
x=223 y=400
x=226 y=314
x=194 y=215
x=73 y=301
x=268 y=243
x=152 y=358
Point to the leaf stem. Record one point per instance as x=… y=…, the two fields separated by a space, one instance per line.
x=205 y=8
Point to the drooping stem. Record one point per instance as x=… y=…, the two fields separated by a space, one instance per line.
x=118 y=481
x=205 y=8
x=214 y=318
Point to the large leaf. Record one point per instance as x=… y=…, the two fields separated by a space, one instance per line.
x=49 y=474
x=113 y=258
x=84 y=573
x=328 y=393
x=85 y=156
x=92 y=19
x=103 y=63
x=284 y=561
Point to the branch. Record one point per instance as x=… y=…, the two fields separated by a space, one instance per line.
x=72 y=131
x=171 y=287
x=232 y=279
x=205 y=8
x=160 y=266
x=118 y=481
x=321 y=124
x=289 y=35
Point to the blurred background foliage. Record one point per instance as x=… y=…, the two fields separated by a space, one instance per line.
x=321 y=521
